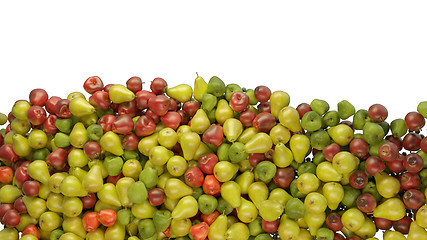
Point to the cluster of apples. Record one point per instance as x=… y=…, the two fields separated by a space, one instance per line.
x=212 y=161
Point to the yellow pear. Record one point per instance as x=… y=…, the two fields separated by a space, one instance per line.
x=300 y=145
x=289 y=117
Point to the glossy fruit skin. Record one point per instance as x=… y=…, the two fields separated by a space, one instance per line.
x=6 y=174
x=207 y=163
x=194 y=177
x=413 y=199
x=413 y=163
x=414 y=121
x=284 y=177
x=211 y=185
x=90 y=221
x=11 y=218
x=156 y=196
x=107 y=217
x=93 y=84
x=377 y=113
x=158 y=86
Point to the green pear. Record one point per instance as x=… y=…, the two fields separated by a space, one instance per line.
x=93 y=180
x=232 y=128
x=345 y=162
x=320 y=139
x=190 y=142
x=260 y=143
x=78 y=136
x=360 y=118
x=311 y=121
x=117 y=231
x=175 y=189
x=72 y=187
x=398 y=127
x=21 y=145
x=345 y=109
x=137 y=192
x=209 y=102
x=80 y=107
x=9 y=233
x=108 y=194
x=39 y=171
x=289 y=117
x=187 y=207
x=200 y=88
x=373 y=132
x=422 y=108
x=231 y=191
x=120 y=94
x=181 y=92
x=342 y=134
x=216 y=86
x=143 y=210
x=319 y=106
x=300 y=146
x=278 y=100
x=111 y=142
x=331 y=118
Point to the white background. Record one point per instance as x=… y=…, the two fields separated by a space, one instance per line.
x=363 y=51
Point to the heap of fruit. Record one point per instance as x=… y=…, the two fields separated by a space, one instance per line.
x=211 y=162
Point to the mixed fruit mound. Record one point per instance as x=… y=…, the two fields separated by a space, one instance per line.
x=209 y=161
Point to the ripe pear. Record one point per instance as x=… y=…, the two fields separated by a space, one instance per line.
x=108 y=194
x=39 y=171
x=237 y=230
x=289 y=117
x=187 y=207
x=93 y=180
x=258 y=192
x=218 y=228
x=367 y=230
x=190 y=142
x=78 y=136
x=55 y=181
x=299 y=145
x=9 y=193
x=74 y=225
x=387 y=186
x=72 y=187
x=117 y=231
x=54 y=202
x=327 y=173
x=182 y=92
x=392 y=209
x=246 y=212
x=230 y=191
x=72 y=206
x=200 y=122
x=9 y=233
x=21 y=145
x=111 y=142
x=224 y=171
x=280 y=195
x=176 y=189
x=270 y=210
x=345 y=162
x=223 y=111
x=123 y=185
x=98 y=234
x=50 y=221
x=80 y=107
x=200 y=88
x=334 y=193
x=35 y=206
x=232 y=129
x=147 y=143
x=416 y=232
x=314 y=221
x=260 y=143
x=278 y=100
x=342 y=134
x=143 y=210
x=288 y=228
x=120 y=94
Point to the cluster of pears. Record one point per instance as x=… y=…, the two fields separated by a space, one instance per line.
x=209 y=161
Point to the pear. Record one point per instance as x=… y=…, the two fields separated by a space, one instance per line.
x=55 y=181
x=143 y=210
x=78 y=136
x=175 y=189
x=246 y=212
x=123 y=185
x=289 y=117
x=224 y=171
x=270 y=210
x=416 y=232
x=120 y=94
x=387 y=186
x=137 y=192
x=278 y=100
x=190 y=142
x=422 y=108
x=74 y=225
x=345 y=109
x=319 y=106
x=200 y=88
x=111 y=142
x=299 y=145
x=148 y=142
x=280 y=195
x=258 y=192
x=218 y=228
x=187 y=207
x=80 y=107
x=39 y=171
x=367 y=230
x=232 y=129
x=288 y=228
x=49 y=221
x=244 y=180
x=334 y=193
x=181 y=92
x=21 y=145
x=93 y=180
x=280 y=134
x=392 y=209
x=9 y=233
x=345 y=162
x=231 y=191
x=117 y=231
x=342 y=134
x=260 y=143
x=373 y=133
x=72 y=206
x=98 y=234
x=327 y=173
x=238 y=231
x=54 y=202
x=314 y=221
x=72 y=187
x=78 y=172
x=108 y=194
x=35 y=206
x=200 y=122
x=26 y=220
x=223 y=111
x=9 y=193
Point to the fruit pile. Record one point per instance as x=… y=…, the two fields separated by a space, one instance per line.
x=213 y=161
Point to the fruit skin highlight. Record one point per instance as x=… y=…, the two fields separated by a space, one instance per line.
x=216 y=160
